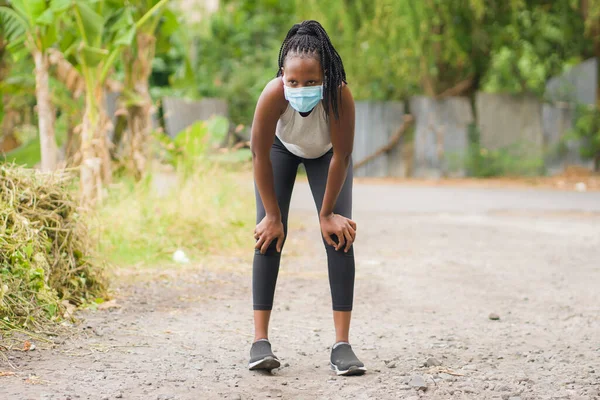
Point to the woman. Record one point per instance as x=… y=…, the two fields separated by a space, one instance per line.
x=305 y=115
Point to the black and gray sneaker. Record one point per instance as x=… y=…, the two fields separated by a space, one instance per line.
x=344 y=361
x=261 y=356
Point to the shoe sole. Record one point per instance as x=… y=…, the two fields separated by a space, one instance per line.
x=267 y=363
x=349 y=372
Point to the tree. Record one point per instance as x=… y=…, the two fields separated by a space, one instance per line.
x=394 y=49
x=137 y=62
x=103 y=30
x=34 y=25
x=8 y=115
x=531 y=42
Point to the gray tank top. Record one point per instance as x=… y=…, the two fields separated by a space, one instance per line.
x=306 y=137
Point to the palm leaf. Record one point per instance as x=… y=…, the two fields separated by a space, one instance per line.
x=30 y=9
x=46 y=18
x=170 y=24
x=59 y=6
x=92 y=56
x=126 y=39
x=50 y=36
x=14 y=25
x=123 y=21
x=89 y=22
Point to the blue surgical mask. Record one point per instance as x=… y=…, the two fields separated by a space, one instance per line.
x=303 y=99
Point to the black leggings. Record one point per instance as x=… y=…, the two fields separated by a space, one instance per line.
x=340 y=264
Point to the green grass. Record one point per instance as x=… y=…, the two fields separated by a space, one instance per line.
x=207 y=211
x=29 y=153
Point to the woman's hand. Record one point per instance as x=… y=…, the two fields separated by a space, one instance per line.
x=344 y=228
x=269 y=229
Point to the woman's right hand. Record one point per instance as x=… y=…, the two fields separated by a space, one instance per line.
x=269 y=229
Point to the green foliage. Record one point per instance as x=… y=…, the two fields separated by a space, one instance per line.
x=393 y=49
x=103 y=30
x=587 y=129
x=32 y=24
x=14 y=27
x=237 y=52
x=195 y=143
x=375 y=41
x=218 y=126
x=191 y=144
x=532 y=44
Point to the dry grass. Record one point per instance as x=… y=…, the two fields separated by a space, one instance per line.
x=46 y=254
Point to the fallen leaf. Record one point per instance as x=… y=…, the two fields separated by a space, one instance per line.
x=34 y=380
x=108 y=304
x=439 y=369
x=69 y=309
x=450 y=372
x=6 y=373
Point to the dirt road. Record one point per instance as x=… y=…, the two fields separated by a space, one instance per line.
x=432 y=265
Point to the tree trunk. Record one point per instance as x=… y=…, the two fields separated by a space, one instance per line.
x=91 y=179
x=95 y=166
x=48 y=146
x=73 y=144
x=139 y=111
x=101 y=140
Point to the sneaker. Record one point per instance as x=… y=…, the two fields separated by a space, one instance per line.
x=344 y=361
x=261 y=356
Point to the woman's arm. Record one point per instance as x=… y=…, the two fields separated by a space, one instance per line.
x=342 y=139
x=268 y=110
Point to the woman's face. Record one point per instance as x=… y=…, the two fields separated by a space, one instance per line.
x=302 y=71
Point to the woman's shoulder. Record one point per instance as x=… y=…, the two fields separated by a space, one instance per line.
x=273 y=94
x=274 y=89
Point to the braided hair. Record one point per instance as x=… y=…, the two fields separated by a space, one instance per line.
x=309 y=39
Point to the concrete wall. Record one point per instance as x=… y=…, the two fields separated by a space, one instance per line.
x=376 y=123
x=441 y=135
x=506 y=120
x=180 y=113
x=577 y=85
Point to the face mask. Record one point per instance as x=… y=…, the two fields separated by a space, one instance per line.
x=303 y=99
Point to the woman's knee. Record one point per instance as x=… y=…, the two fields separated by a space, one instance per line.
x=272 y=249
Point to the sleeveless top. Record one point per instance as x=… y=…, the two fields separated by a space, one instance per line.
x=305 y=137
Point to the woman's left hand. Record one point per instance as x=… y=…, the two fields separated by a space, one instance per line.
x=344 y=228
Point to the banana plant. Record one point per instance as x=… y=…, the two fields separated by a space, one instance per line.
x=137 y=63
x=33 y=26
x=104 y=30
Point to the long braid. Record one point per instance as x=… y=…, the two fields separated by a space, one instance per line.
x=309 y=39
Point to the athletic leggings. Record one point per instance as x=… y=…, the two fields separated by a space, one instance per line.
x=340 y=264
